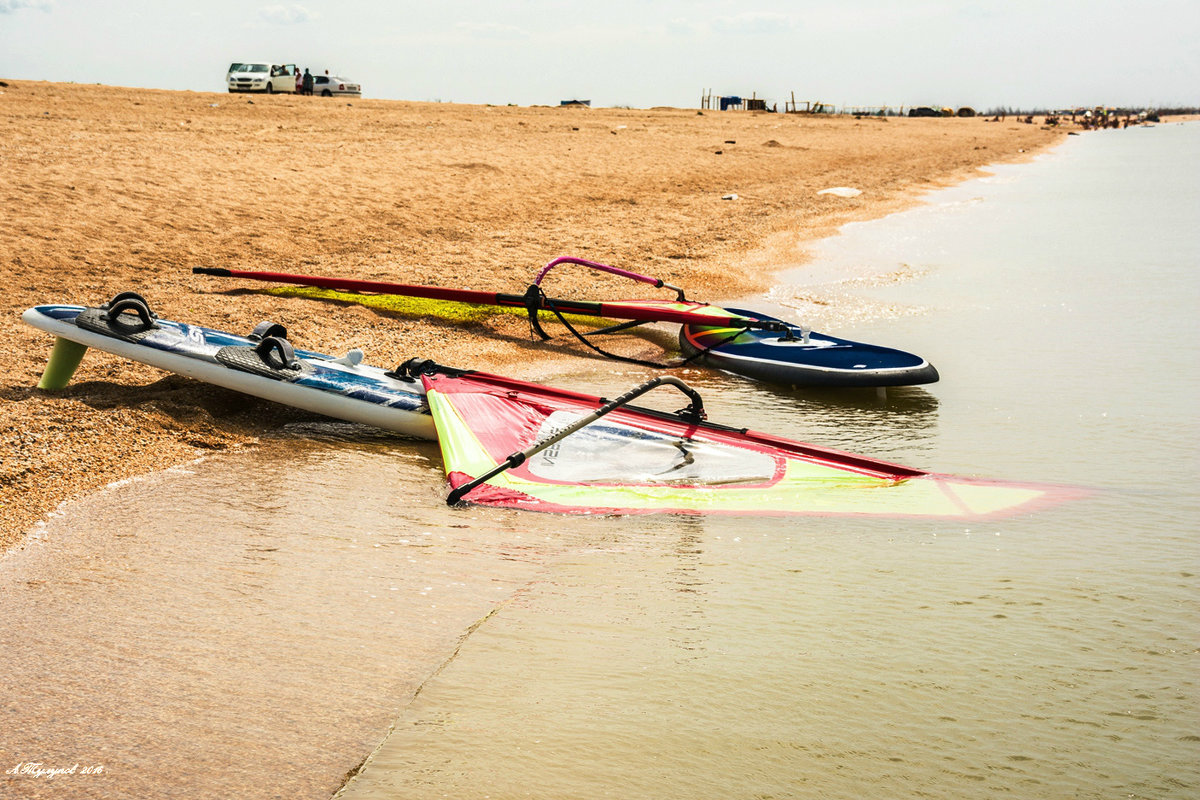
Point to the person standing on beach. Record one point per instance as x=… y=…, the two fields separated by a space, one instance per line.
x=308 y=81
x=299 y=81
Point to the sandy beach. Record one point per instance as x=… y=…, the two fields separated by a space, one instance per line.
x=113 y=189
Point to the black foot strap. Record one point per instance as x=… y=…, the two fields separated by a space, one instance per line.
x=414 y=368
x=273 y=357
x=126 y=317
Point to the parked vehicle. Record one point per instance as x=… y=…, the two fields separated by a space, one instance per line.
x=261 y=76
x=328 y=86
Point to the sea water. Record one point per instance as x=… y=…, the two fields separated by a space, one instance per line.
x=259 y=623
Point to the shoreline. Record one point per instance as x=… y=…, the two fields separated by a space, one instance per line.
x=126 y=189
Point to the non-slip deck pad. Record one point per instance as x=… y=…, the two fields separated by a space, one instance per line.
x=252 y=360
x=120 y=326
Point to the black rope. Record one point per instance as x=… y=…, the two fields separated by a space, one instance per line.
x=633 y=323
x=549 y=304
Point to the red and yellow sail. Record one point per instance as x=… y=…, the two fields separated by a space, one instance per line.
x=635 y=461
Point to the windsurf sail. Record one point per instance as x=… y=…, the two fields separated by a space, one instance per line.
x=680 y=311
x=745 y=343
x=636 y=461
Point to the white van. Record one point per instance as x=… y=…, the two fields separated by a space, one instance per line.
x=261 y=76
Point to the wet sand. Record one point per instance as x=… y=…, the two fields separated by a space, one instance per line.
x=114 y=189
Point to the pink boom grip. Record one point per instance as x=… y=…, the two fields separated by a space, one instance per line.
x=624 y=273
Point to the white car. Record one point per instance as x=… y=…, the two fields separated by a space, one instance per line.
x=261 y=76
x=328 y=86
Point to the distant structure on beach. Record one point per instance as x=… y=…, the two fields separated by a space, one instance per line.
x=1088 y=118
x=580 y=103
x=732 y=102
x=810 y=106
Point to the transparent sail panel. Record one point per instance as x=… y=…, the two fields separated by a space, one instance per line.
x=607 y=452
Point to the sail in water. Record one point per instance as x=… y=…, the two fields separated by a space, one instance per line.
x=630 y=460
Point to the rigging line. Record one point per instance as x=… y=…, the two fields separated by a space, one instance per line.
x=549 y=304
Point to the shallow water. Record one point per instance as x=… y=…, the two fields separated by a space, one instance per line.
x=1046 y=656
x=209 y=631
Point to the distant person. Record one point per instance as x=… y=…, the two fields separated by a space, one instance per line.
x=299 y=82
x=308 y=81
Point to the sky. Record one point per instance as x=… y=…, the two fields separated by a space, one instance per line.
x=639 y=53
